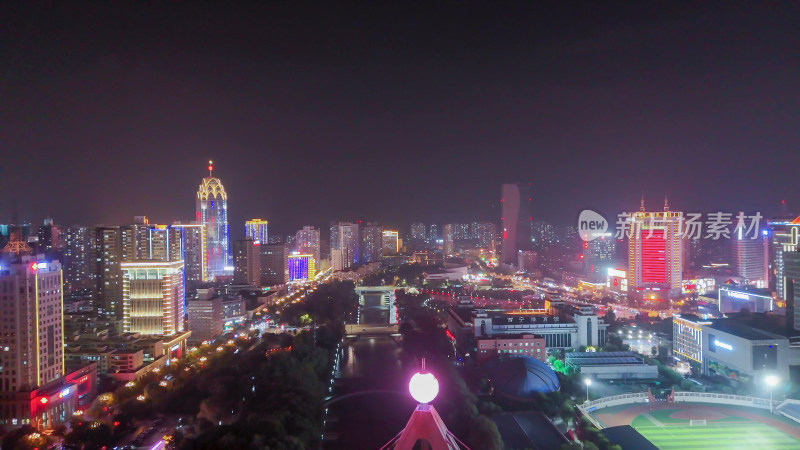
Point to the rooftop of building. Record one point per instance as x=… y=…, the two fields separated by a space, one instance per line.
x=602 y=358
x=746 y=289
x=692 y=318
x=528 y=429
x=736 y=328
x=465 y=314
x=628 y=438
x=769 y=322
x=503 y=337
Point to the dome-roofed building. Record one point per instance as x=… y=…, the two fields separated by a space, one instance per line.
x=521 y=376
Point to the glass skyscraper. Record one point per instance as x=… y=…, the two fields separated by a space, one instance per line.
x=212 y=211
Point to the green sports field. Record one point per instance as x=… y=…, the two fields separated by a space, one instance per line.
x=723 y=433
x=667 y=426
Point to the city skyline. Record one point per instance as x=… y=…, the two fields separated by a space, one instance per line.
x=560 y=224
x=592 y=106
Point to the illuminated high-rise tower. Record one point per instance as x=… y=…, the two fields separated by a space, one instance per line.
x=256 y=229
x=751 y=256
x=655 y=260
x=153 y=297
x=212 y=211
x=32 y=325
x=194 y=251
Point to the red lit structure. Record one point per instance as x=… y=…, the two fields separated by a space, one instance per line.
x=53 y=404
x=655 y=253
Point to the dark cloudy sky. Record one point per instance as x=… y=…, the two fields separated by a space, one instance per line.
x=396 y=112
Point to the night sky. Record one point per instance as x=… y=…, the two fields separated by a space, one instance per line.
x=396 y=112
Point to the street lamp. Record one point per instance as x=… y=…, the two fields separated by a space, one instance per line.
x=771 y=380
x=587 y=382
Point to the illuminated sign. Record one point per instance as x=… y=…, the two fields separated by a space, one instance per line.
x=724 y=345
x=175 y=347
x=42 y=265
x=739 y=295
x=65 y=392
x=617 y=273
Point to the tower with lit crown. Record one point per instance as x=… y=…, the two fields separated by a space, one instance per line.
x=655 y=261
x=212 y=211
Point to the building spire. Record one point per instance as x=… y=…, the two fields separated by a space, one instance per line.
x=666 y=202
x=210 y=167
x=641 y=205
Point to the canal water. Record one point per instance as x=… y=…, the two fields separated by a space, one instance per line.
x=370 y=400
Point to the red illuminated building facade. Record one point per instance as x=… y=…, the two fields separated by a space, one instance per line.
x=655 y=260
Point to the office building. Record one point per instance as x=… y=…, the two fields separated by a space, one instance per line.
x=193 y=236
x=205 y=316
x=344 y=245
x=751 y=257
x=50 y=237
x=562 y=326
x=728 y=348
x=31 y=307
x=78 y=266
x=784 y=236
x=212 y=212
x=307 y=242
x=418 y=233
x=516 y=220
x=512 y=345
x=153 y=297
x=256 y=229
x=743 y=354
x=371 y=243
x=449 y=241
x=391 y=242
x=655 y=261
x=687 y=337
x=108 y=255
x=246 y=261
x=301 y=267
x=135 y=239
x=734 y=299
x=274 y=264
x=165 y=243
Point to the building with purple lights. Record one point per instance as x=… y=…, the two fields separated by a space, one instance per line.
x=301 y=267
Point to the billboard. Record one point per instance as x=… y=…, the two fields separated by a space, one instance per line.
x=734 y=301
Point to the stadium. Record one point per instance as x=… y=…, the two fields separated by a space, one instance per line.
x=703 y=421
